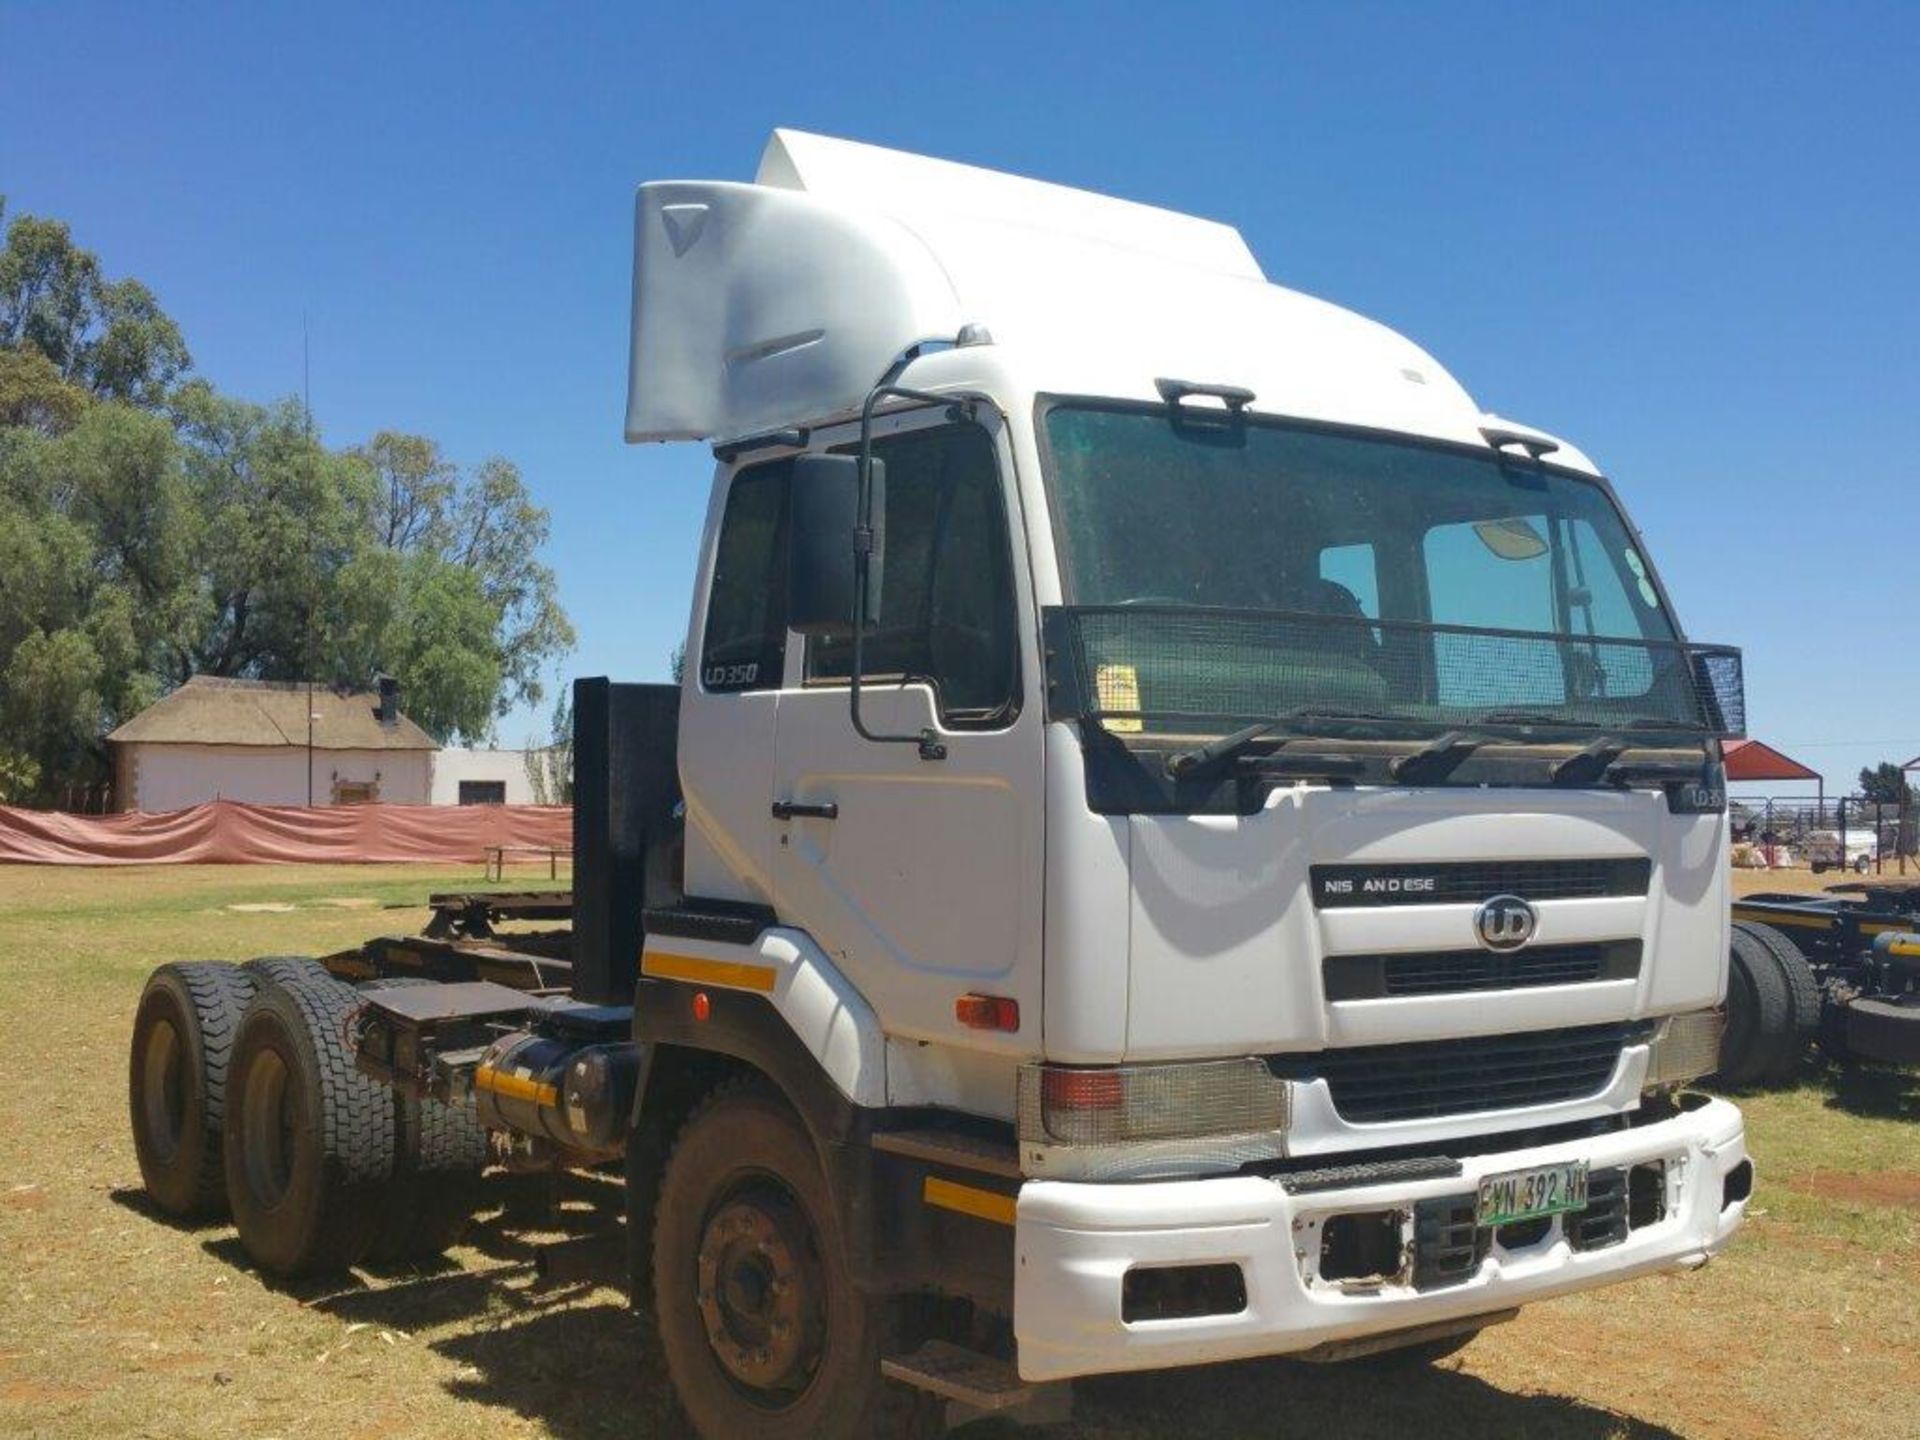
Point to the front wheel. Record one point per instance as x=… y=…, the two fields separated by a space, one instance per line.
x=766 y=1336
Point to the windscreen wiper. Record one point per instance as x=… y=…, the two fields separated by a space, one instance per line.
x=1591 y=764
x=1436 y=759
x=1184 y=762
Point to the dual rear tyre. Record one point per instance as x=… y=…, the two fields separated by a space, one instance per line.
x=1773 y=1008
x=245 y=1101
x=183 y=1042
x=309 y=1141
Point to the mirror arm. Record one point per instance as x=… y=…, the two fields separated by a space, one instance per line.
x=931 y=746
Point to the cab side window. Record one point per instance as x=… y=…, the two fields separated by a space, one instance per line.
x=745 y=644
x=946 y=590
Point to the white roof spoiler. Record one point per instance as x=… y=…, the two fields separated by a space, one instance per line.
x=755 y=306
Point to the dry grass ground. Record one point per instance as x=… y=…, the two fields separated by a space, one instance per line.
x=113 y=1323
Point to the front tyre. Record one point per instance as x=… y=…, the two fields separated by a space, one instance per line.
x=766 y=1336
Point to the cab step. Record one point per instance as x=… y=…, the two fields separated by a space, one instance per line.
x=978 y=1385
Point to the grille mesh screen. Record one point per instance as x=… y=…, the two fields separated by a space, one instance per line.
x=1373 y=1083
x=1453 y=972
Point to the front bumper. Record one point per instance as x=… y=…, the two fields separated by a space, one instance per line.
x=1075 y=1242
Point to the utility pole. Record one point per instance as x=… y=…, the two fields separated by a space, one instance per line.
x=306 y=406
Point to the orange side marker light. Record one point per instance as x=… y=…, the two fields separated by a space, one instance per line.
x=988 y=1012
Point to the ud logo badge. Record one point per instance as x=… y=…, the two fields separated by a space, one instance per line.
x=1505 y=922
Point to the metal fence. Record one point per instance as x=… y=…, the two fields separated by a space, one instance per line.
x=1851 y=831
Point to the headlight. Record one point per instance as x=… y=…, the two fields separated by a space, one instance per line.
x=1132 y=1121
x=1684 y=1048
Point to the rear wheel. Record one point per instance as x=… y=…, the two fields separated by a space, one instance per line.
x=286 y=969
x=309 y=1141
x=1803 y=1000
x=1760 y=1014
x=183 y=1035
x=765 y=1334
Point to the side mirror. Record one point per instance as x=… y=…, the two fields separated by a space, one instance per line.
x=822 y=519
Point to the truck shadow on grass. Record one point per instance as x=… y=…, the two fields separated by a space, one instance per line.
x=582 y=1364
x=567 y=1352
x=1874 y=1093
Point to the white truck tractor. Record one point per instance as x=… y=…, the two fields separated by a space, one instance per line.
x=1181 y=838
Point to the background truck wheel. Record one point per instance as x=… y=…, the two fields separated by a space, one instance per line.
x=1885 y=1030
x=766 y=1337
x=1803 y=1000
x=1760 y=1019
x=1861 y=864
x=183 y=1036
x=286 y=969
x=308 y=1139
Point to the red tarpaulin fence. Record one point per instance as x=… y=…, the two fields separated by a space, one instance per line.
x=227 y=832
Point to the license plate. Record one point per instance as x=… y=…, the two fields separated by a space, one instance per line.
x=1529 y=1194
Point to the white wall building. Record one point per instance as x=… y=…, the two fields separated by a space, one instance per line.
x=254 y=740
x=482 y=777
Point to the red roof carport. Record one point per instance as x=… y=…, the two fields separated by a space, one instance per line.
x=1757 y=760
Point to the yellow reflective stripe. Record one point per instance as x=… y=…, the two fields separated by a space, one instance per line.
x=1804 y=922
x=1904 y=945
x=731 y=974
x=981 y=1204
x=515 y=1087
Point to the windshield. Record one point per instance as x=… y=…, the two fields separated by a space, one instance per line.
x=1199 y=551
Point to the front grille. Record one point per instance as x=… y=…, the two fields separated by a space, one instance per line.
x=1471 y=881
x=1454 y=972
x=1463 y=1077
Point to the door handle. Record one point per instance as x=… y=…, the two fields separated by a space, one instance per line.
x=792 y=809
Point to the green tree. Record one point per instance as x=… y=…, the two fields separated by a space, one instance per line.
x=108 y=337
x=1886 y=783
x=33 y=395
x=152 y=529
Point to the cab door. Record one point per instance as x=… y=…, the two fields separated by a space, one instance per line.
x=735 y=666
x=922 y=878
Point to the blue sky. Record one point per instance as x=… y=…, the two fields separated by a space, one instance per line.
x=1684 y=236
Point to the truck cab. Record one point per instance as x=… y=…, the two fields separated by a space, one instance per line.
x=1219 y=842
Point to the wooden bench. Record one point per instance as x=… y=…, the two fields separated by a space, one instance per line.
x=496 y=858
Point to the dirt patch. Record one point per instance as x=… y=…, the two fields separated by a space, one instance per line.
x=1898 y=1189
x=25 y=1197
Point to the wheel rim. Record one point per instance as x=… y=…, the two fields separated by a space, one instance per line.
x=761 y=1294
x=268 y=1128
x=164 y=1090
